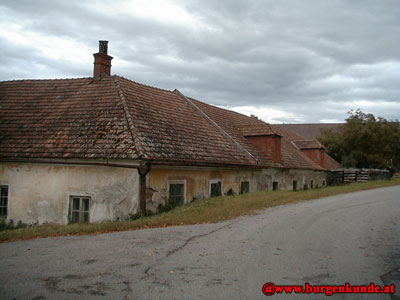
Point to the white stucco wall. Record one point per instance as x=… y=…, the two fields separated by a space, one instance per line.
x=40 y=193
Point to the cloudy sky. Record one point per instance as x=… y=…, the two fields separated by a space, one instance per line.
x=286 y=61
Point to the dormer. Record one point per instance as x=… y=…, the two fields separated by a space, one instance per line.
x=264 y=138
x=313 y=149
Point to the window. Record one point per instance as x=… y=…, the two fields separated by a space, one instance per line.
x=323 y=182
x=294 y=185
x=176 y=193
x=3 y=201
x=312 y=184
x=79 y=209
x=244 y=187
x=215 y=188
x=275 y=186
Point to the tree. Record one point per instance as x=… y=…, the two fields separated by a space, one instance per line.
x=254 y=116
x=364 y=142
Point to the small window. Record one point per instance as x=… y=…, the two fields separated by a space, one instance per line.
x=176 y=193
x=79 y=209
x=244 y=187
x=323 y=182
x=294 y=185
x=3 y=201
x=215 y=188
x=312 y=184
x=275 y=186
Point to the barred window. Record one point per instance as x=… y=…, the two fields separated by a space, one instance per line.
x=215 y=188
x=3 y=201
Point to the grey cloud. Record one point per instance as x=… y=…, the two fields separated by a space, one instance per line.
x=281 y=54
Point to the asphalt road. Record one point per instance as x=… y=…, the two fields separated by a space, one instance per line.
x=352 y=238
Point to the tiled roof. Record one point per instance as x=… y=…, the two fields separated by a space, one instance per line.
x=116 y=118
x=309 y=131
x=291 y=156
x=294 y=140
x=232 y=122
x=257 y=129
x=306 y=144
x=169 y=128
x=68 y=118
x=330 y=163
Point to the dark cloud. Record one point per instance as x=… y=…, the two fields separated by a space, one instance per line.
x=310 y=60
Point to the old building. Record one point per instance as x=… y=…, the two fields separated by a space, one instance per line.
x=101 y=148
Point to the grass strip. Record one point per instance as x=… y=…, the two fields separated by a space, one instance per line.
x=198 y=212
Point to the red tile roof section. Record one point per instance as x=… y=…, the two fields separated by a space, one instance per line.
x=116 y=118
x=257 y=129
x=67 y=118
x=291 y=156
x=330 y=163
x=232 y=122
x=303 y=144
x=171 y=129
x=309 y=131
x=289 y=137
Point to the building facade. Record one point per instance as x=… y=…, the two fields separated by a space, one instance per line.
x=101 y=148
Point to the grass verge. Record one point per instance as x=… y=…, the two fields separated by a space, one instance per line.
x=200 y=211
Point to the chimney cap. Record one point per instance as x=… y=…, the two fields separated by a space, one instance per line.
x=103 y=47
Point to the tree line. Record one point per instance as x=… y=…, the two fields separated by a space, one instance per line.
x=364 y=141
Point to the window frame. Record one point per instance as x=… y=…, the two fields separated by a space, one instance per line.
x=178 y=181
x=3 y=217
x=240 y=189
x=71 y=210
x=213 y=181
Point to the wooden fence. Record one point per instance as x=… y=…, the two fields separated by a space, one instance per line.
x=356 y=175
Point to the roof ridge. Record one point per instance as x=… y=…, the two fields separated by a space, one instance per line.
x=309 y=123
x=129 y=118
x=142 y=84
x=46 y=79
x=221 y=108
x=224 y=134
x=238 y=113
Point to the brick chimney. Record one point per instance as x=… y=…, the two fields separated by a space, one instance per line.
x=102 y=61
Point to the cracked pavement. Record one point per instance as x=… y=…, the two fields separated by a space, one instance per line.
x=351 y=238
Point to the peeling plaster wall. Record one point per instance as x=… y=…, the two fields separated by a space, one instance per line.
x=285 y=178
x=40 y=193
x=198 y=180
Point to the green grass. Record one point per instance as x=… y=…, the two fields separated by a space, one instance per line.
x=200 y=211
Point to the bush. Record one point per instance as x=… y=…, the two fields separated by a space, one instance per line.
x=11 y=225
x=140 y=214
x=171 y=204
